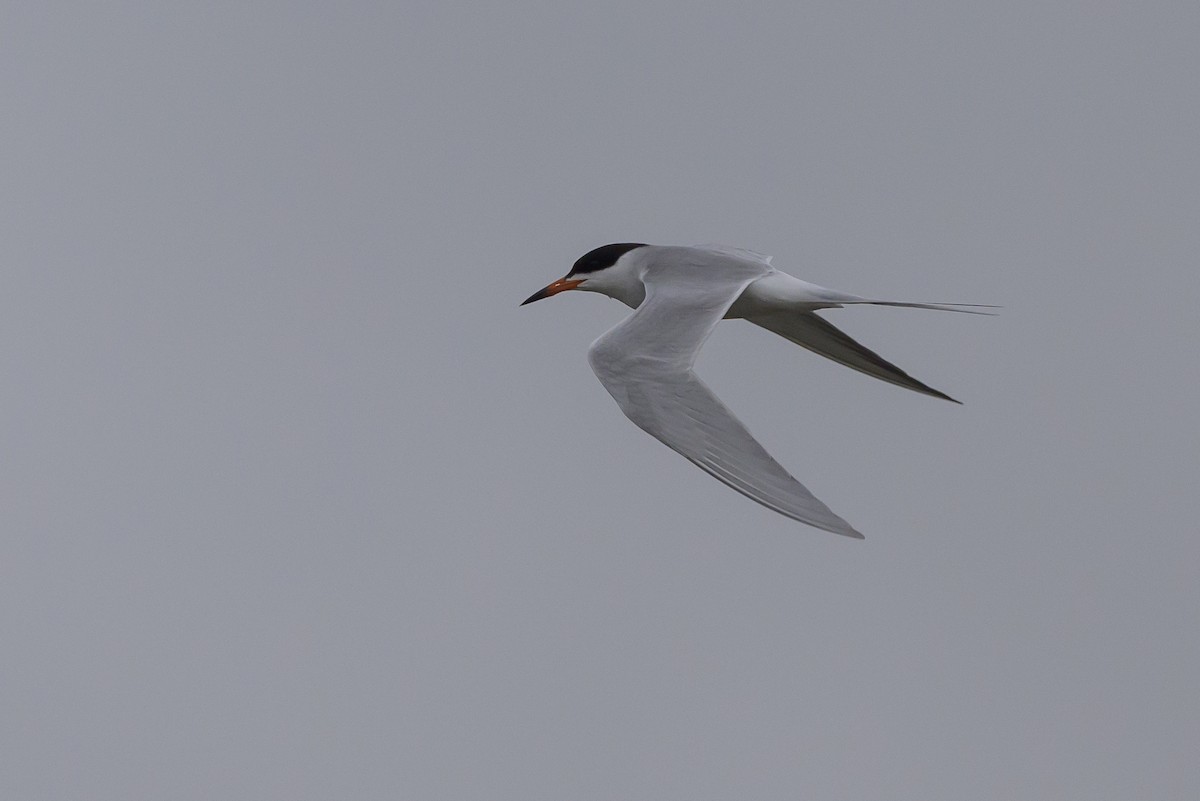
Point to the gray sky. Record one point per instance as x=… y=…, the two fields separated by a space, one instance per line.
x=297 y=504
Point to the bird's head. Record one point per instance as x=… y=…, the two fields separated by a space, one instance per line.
x=606 y=270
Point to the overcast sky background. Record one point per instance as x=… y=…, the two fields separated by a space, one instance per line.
x=297 y=504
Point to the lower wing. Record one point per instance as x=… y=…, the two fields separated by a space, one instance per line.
x=684 y=414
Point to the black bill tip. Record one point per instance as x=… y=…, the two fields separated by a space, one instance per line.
x=541 y=294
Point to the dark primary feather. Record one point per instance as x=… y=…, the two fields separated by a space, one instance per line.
x=820 y=336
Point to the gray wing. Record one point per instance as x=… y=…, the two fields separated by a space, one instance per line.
x=820 y=336
x=645 y=363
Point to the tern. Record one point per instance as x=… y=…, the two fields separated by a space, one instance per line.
x=679 y=294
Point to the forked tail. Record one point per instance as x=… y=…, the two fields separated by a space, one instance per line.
x=964 y=308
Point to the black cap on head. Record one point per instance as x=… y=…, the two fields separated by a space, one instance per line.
x=601 y=257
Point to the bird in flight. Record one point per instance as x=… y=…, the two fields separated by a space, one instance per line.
x=679 y=294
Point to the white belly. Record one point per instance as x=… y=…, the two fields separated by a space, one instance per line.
x=780 y=291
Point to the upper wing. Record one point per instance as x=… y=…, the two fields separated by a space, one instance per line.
x=820 y=336
x=645 y=363
x=736 y=253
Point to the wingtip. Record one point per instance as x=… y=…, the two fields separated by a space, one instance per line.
x=933 y=393
x=843 y=529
